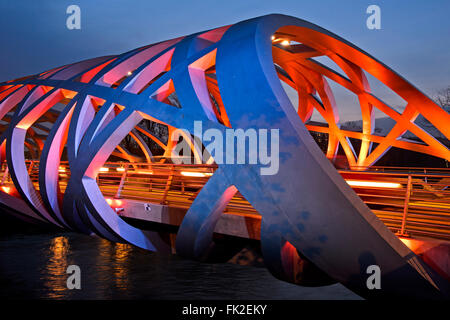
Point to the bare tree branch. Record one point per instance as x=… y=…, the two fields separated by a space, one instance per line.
x=443 y=99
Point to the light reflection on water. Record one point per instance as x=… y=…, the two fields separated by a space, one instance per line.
x=34 y=266
x=55 y=275
x=120 y=265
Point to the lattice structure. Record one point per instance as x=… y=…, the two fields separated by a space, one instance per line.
x=311 y=79
x=225 y=77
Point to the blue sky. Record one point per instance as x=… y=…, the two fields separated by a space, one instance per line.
x=414 y=39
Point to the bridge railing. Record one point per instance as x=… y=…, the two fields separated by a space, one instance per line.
x=395 y=169
x=412 y=201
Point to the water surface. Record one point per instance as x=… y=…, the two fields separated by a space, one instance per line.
x=34 y=266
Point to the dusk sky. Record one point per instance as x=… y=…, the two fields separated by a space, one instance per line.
x=414 y=39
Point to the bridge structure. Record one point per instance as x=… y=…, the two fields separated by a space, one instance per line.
x=89 y=147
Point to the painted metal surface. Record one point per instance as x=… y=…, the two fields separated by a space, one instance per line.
x=229 y=77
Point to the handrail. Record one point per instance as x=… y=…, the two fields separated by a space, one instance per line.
x=425 y=170
x=419 y=204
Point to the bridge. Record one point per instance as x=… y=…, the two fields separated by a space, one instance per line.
x=110 y=146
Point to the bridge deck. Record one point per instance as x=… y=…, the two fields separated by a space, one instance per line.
x=409 y=201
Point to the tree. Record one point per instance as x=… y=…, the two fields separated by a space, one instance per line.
x=443 y=99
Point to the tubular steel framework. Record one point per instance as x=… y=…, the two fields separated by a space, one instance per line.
x=226 y=77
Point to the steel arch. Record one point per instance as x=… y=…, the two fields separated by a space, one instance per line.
x=229 y=77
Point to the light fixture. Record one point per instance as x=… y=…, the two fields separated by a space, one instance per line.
x=285 y=43
x=374 y=184
x=120 y=169
x=6 y=189
x=192 y=174
x=61 y=169
x=109 y=201
x=129 y=73
x=273 y=38
x=104 y=169
x=144 y=171
x=412 y=244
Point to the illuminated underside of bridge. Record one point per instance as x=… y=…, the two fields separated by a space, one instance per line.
x=66 y=156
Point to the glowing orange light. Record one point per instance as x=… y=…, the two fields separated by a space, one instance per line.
x=407 y=242
x=192 y=174
x=273 y=38
x=129 y=73
x=285 y=43
x=120 y=169
x=374 y=184
x=118 y=202
x=62 y=169
x=109 y=201
x=412 y=244
x=23 y=126
x=103 y=169
x=6 y=189
x=145 y=171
